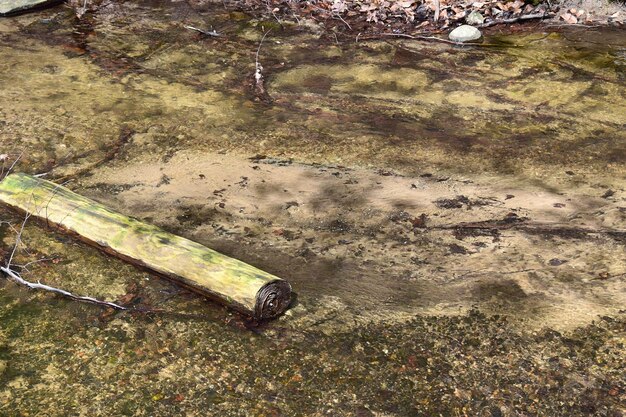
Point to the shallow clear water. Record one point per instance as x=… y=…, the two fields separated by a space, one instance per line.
x=375 y=176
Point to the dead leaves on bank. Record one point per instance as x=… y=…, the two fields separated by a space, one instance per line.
x=443 y=13
x=574 y=16
x=425 y=15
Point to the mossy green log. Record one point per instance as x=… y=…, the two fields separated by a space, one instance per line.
x=230 y=281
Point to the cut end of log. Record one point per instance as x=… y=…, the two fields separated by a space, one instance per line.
x=272 y=299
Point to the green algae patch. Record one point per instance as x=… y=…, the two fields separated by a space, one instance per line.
x=383 y=368
x=500 y=109
x=368 y=80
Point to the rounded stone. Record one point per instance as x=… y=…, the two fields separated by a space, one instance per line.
x=465 y=33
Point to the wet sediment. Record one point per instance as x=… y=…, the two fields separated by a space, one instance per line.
x=447 y=216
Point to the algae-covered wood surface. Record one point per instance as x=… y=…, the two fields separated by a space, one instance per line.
x=15 y=6
x=235 y=283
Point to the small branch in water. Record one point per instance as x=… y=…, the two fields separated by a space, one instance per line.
x=39 y=286
x=517 y=19
x=16 y=277
x=80 y=11
x=269 y=7
x=607 y=276
x=421 y=38
x=336 y=16
x=114 y=149
x=204 y=32
x=4 y=157
x=258 y=73
x=26 y=265
x=259 y=87
x=578 y=25
x=18 y=240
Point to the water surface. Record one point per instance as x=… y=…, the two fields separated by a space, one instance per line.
x=453 y=219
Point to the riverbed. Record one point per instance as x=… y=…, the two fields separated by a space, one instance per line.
x=452 y=219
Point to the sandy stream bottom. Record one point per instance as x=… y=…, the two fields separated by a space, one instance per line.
x=455 y=233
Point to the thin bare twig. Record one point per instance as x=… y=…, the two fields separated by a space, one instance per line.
x=25 y=266
x=484 y=271
x=39 y=286
x=517 y=19
x=15 y=276
x=54 y=193
x=80 y=11
x=269 y=7
x=259 y=87
x=258 y=51
x=605 y=277
x=12 y=165
x=18 y=240
x=342 y=19
x=580 y=25
x=295 y=17
x=426 y=38
x=204 y=32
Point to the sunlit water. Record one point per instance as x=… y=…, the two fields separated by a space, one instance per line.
x=159 y=122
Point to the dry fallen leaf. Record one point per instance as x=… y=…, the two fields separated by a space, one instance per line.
x=569 y=18
x=517 y=5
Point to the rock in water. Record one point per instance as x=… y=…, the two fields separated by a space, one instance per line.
x=14 y=6
x=474 y=19
x=465 y=33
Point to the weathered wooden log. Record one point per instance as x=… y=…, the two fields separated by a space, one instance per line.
x=230 y=281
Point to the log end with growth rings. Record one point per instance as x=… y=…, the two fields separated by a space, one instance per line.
x=272 y=299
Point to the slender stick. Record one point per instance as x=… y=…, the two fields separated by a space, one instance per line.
x=337 y=16
x=18 y=240
x=12 y=165
x=39 y=286
x=517 y=19
x=259 y=87
x=15 y=276
x=424 y=38
x=204 y=32
x=258 y=75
